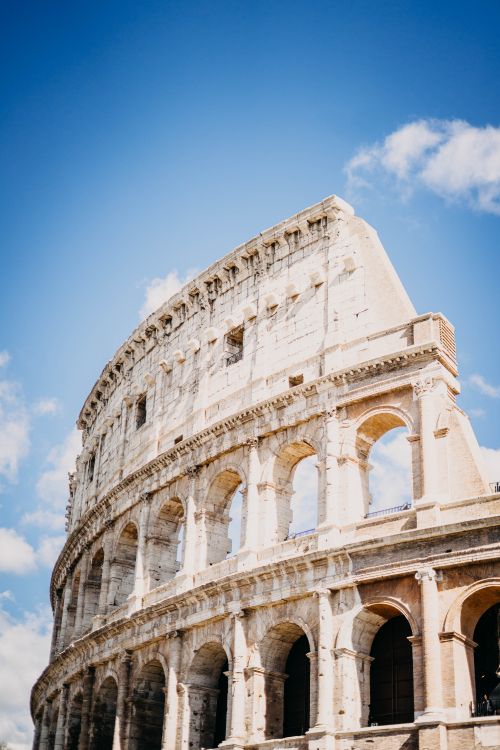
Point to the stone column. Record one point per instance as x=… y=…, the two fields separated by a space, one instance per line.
x=88 y=686
x=120 y=729
x=44 y=733
x=433 y=690
x=106 y=569
x=325 y=675
x=171 y=694
x=330 y=511
x=189 y=557
x=141 y=561
x=251 y=540
x=424 y=393
x=66 y=605
x=183 y=692
x=62 y=718
x=56 y=629
x=236 y=723
x=81 y=594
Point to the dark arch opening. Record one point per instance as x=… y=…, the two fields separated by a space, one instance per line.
x=296 y=698
x=221 y=710
x=148 y=708
x=486 y=662
x=103 y=716
x=208 y=692
x=391 y=674
x=74 y=722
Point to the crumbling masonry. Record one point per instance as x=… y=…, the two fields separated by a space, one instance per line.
x=372 y=630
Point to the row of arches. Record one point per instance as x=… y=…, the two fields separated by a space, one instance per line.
x=280 y=686
x=291 y=503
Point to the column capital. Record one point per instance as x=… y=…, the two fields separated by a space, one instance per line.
x=175 y=634
x=428 y=574
x=331 y=412
x=146 y=497
x=322 y=591
x=423 y=386
x=193 y=471
x=252 y=442
x=126 y=657
x=235 y=609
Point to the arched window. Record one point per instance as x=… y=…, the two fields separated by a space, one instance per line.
x=295 y=488
x=391 y=674
x=93 y=589
x=487 y=662
x=385 y=465
x=208 y=688
x=285 y=681
x=222 y=511
x=122 y=577
x=103 y=716
x=74 y=722
x=148 y=700
x=72 y=607
x=166 y=540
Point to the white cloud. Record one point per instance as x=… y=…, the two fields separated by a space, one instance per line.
x=492 y=460
x=390 y=477
x=24 y=649
x=160 y=290
x=49 y=549
x=46 y=406
x=14 y=429
x=46 y=519
x=477 y=412
x=4 y=358
x=16 y=554
x=482 y=385
x=452 y=158
x=52 y=486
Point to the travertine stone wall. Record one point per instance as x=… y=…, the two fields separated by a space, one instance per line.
x=301 y=342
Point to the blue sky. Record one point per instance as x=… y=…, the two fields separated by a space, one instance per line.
x=144 y=139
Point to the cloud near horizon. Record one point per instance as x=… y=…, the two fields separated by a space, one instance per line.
x=457 y=161
x=160 y=289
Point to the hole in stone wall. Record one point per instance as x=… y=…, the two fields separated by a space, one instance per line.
x=304 y=502
x=390 y=479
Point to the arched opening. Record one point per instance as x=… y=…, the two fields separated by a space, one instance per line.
x=103 y=716
x=166 y=542
x=208 y=688
x=295 y=481
x=74 y=722
x=385 y=465
x=487 y=662
x=286 y=681
x=93 y=588
x=122 y=578
x=391 y=674
x=220 y=515
x=148 y=705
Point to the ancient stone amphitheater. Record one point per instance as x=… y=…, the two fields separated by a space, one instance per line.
x=376 y=628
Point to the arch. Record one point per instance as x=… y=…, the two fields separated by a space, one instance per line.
x=284 y=680
x=74 y=722
x=464 y=613
x=358 y=644
x=391 y=674
x=103 y=715
x=208 y=690
x=487 y=661
x=165 y=552
x=148 y=706
x=123 y=568
x=281 y=488
x=93 y=588
x=217 y=517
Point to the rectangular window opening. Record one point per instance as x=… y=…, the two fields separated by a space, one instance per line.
x=140 y=412
x=234 y=345
x=294 y=380
x=178 y=439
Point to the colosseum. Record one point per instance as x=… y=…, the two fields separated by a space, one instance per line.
x=376 y=628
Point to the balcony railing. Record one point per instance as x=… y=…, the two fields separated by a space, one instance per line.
x=495 y=486
x=234 y=358
x=297 y=534
x=485 y=707
x=388 y=511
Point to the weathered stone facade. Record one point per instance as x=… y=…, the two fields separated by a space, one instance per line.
x=300 y=342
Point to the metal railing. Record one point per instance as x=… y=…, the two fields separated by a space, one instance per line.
x=495 y=486
x=234 y=358
x=485 y=707
x=388 y=511
x=297 y=534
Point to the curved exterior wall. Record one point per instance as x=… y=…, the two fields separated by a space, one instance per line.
x=300 y=342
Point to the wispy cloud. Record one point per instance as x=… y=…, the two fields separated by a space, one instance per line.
x=24 y=649
x=451 y=158
x=492 y=460
x=46 y=406
x=4 y=358
x=481 y=384
x=14 y=427
x=160 y=290
x=16 y=554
